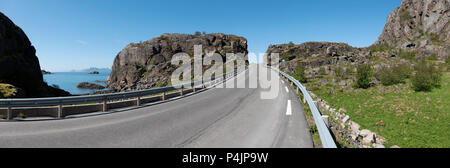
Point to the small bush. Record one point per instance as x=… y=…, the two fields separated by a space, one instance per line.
x=299 y=73
x=447 y=61
x=435 y=38
x=433 y=57
x=408 y=55
x=426 y=78
x=363 y=76
x=394 y=74
x=380 y=48
x=313 y=129
x=339 y=72
x=21 y=115
x=322 y=71
x=405 y=16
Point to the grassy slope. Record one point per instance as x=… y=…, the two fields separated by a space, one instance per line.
x=404 y=117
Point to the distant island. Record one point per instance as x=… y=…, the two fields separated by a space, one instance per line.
x=44 y=72
x=94 y=72
x=93 y=69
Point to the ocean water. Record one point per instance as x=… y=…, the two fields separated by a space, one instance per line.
x=68 y=81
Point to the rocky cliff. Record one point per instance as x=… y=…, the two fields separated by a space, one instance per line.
x=421 y=24
x=147 y=64
x=316 y=54
x=419 y=27
x=19 y=65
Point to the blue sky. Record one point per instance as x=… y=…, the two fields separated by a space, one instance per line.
x=78 y=34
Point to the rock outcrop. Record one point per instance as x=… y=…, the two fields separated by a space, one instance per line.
x=147 y=64
x=421 y=24
x=19 y=65
x=316 y=54
x=44 y=72
x=92 y=86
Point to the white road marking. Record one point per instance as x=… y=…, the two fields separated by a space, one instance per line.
x=282 y=81
x=287 y=90
x=289 y=108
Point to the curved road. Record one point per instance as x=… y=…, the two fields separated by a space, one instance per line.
x=216 y=117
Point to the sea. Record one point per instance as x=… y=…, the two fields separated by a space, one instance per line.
x=68 y=81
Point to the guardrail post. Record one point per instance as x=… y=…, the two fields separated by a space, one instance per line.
x=105 y=105
x=60 y=110
x=9 y=113
x=326 y=119
x=181 y=92
x=138 y=101
x=163 y=96
x=317 y=106
x=297 y=90
x=193 y=89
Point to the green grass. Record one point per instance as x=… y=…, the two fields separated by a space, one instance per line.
x=412 y=119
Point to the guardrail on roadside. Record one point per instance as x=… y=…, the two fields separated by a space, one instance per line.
x=9 y=104
x=324 y=132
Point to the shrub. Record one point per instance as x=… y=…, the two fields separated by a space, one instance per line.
x=21 y=115
x=426 y=78
x=394 y=74
x=299 y=73
x=435 y=38
x=322 y=71
x=291 y=44
x=339 y=72
x=363 y=75
x=404 y=70
x=380 y=48
x=433 y=57
x=405 y=16
x=7 y=90
x=447 y=61
x=313 y=129
x=408 y=55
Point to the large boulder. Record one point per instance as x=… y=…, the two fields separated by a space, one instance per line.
x=148 y=64
x=19 y=65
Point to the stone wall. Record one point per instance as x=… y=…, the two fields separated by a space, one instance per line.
x=346 y=130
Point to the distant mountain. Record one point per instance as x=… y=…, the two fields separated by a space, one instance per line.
x=92 y=69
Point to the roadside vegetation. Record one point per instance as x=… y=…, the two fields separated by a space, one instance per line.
x=7 y=90
x=409 y=106
x=403 y=116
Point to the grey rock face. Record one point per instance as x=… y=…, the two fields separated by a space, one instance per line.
x=147 y=64
x=419 y=22
x=19 y=65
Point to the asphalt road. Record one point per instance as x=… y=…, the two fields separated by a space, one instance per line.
x=217 y=117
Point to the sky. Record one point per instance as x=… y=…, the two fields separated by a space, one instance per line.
x=78 y=34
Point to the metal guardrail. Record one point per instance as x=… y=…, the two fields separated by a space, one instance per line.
x=102 y=98
x=324 y=132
